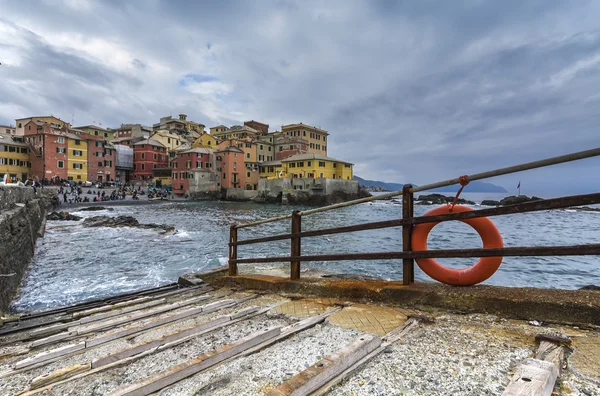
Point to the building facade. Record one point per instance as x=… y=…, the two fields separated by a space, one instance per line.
x=148 y=154
x=309 y=165
x=55 y=122
x=48 y=150
x=77 y=158
x=186 y=161
x=14 y=158
x=316 y=138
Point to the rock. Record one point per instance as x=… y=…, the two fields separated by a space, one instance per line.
x=94 y=208
x=121 y=221
x=512 y=200
x=439 y=199
x=62 y=216
x=490 y=202
x=590 y=287
x=190 y=280
x=586 y=209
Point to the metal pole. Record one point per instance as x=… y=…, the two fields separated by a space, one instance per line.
x=295 y=245
x=408 y=264
x=233 y=269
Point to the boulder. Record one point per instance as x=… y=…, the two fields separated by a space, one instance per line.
x=590 y=287
x=512 y=200
x=439 y=199
x=94 y=208
x=123 y=221
x=489 y=202
x=190 y=280
x=62 y=216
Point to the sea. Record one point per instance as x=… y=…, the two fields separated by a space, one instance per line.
x=73 y=263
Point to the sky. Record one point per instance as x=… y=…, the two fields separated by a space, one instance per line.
x=410 y=91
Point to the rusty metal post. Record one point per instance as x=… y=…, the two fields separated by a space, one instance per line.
x=296 y=250
x=233 y=269
x=408 y=265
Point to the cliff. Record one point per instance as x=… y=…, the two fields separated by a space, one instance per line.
x=22 y=220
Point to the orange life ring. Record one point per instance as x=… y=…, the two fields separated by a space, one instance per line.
x=478 y=272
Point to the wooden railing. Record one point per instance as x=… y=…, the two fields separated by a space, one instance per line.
x=408 y=221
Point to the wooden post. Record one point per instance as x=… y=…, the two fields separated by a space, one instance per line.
x=296 y=245
x=233 y=270
x=408 y=265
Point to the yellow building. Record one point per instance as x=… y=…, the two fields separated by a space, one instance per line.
x=77 y=158
x=205 y=141
x=316 y=138
x=307 y=166
x=170 y=140
x=218 y=129
x=97 y=131
x=56 y=123
x=14 y=158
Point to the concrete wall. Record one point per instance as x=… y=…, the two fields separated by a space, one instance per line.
x=239 y=194
x=22 y=220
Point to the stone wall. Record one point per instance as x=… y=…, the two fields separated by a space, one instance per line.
x=239 y=194
x=22 y=220
x=308 y=191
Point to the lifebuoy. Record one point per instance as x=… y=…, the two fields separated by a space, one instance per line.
x=478 y=272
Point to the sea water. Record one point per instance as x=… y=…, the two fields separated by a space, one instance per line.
x=73 y=263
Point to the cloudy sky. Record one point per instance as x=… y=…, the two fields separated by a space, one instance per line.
x=411 y=91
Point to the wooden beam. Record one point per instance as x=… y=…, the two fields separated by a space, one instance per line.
x=311 y=379
x=191 y=367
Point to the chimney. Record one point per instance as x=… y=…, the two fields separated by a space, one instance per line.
x=182 y=117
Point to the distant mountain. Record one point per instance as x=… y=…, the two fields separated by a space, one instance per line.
x=474 y=186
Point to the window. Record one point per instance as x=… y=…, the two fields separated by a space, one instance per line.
x=318 y=147
x=269 y=148
x=100 y=164
x=248 y=145
x=324 y=148
x=154 y=156
x=142 y=156
x=77 y=166
x=60 y=139
x=108 y=163
x=321 y=174
x=248 y=174
x=322 y=165
x=292 y=164
x=309 y=163
x=154 y=166
x=134 y=166
x=280 y=148
x=60 y=164
x=61 y=150
x=247 y=155
x=261 y=147
x=143 y=167
x=346 y=165
x=78 y=177
x=77 y=142
x=300 y=164
x=224 y=174
x=175 y=175
x=19 y=125
x=304 y=133
x=77 y=153
x=312 y=145
x=261 y=157
x=188 y=164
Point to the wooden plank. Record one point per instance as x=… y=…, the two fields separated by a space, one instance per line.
x=58 y=375
x=47 y=355
x=116 y=312
x=412 y=324
x=139 y=356
x=191 y=367
x=535 y=377
x=317 y=375
x=109 y=307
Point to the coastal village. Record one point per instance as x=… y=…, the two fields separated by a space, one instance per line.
x=236 y=162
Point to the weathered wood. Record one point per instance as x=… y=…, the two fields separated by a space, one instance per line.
x=131 y=359
x=411 y=325
x=233 y=234
x=47 y=355
x=295 y=245
x=311 y=379
x=191 y=367
x=408 y=264
x=58 y=375
x=534 y=377
x=117 y=312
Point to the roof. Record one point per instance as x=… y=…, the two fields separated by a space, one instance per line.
x=91 y=127
x=301 y=125
x=150 y=142
x=270 y=163
x=8 y=139
x=200 y=150
x=231 y=148
x=312 y=156
x=44 y=116
x=219 y=126
x=73 y=136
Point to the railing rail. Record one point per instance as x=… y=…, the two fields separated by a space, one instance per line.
x=408 y=221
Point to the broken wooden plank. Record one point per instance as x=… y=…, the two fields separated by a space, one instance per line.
x=538 y=376
x=47 y=355
x=58 y=375
x=191 y=367
x=317 y=375
x=411 y=325
x=116 y=312
x=143 y=354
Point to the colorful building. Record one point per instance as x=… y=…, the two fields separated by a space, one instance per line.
x=233 y=174
x=307 y=166
x=205 y=141
x=8 y=130
x=287 y=146
x=14 y=158
x=169 y=123
x=97 y=131
x=48 y=146
x=218 y=129
x=132 y=131
x=55 y=122
x=170 y=140
x=101 y=159
x=148 y=154
x=77 y=157
x=316 y=138
x=188 y=160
